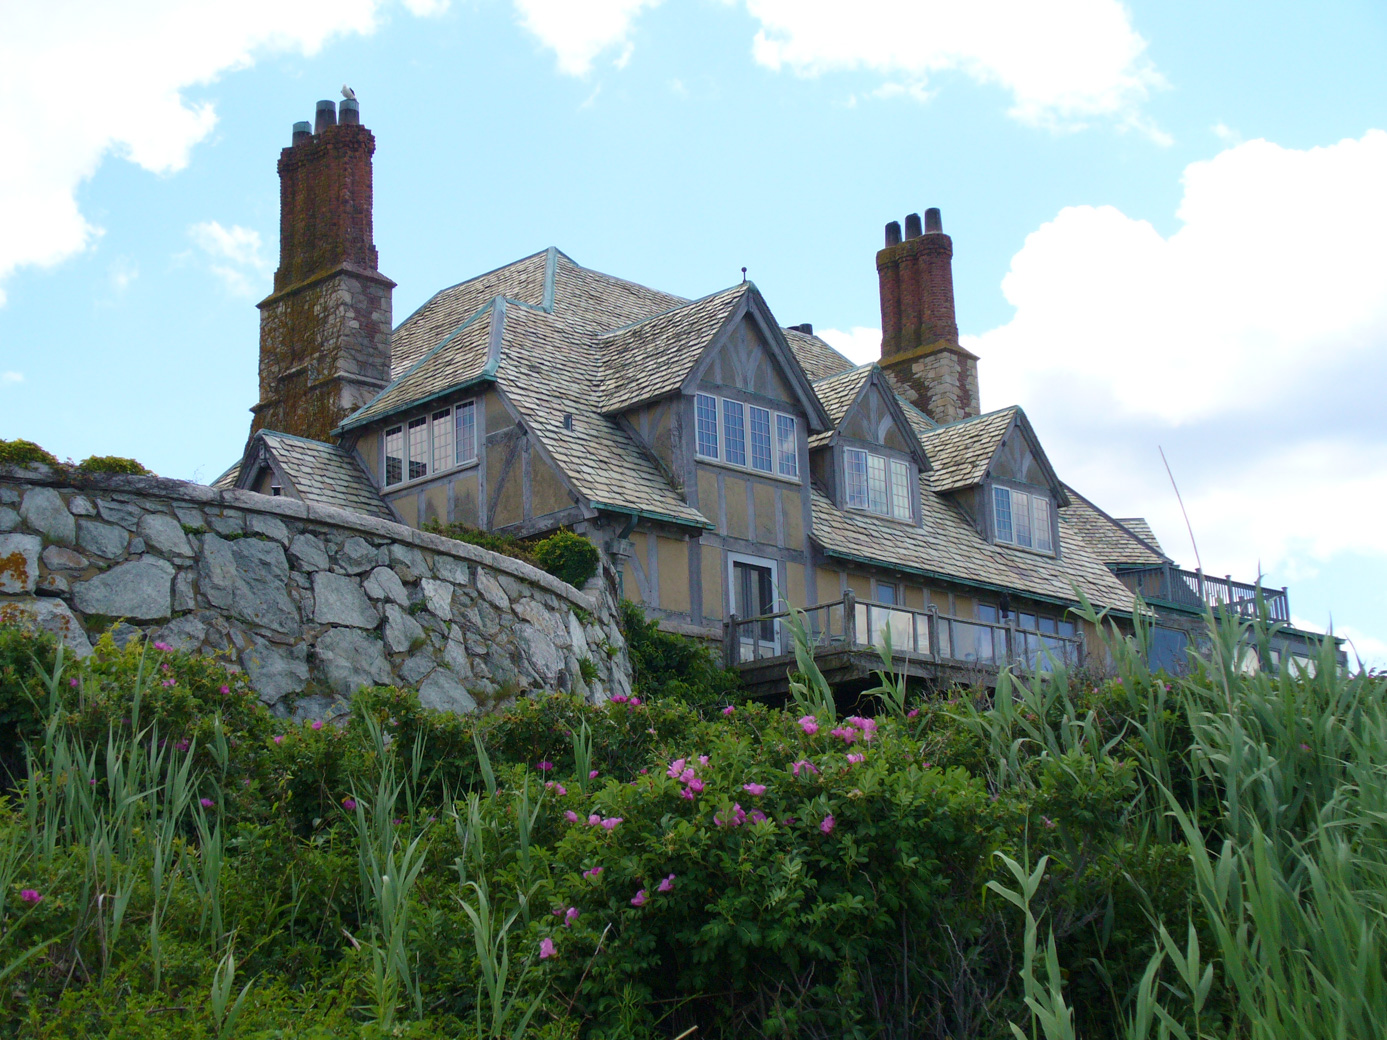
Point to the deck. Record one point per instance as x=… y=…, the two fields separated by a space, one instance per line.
x=926 y=645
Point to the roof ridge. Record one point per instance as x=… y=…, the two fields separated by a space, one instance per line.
x=679 y=307
x=1116 y=521
x=975 y=418
x=617 y=277
x=264 y=431
x=846 y=372
x=468 y=281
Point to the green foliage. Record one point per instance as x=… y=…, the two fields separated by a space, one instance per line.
x=1141 y=857
x=567 y=556
x=667 y=665
x=112 y=464
x=24 y=453
x=497 y=543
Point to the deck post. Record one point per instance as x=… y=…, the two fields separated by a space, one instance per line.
x=932 y=628
x=729 y=641
x=850 y=618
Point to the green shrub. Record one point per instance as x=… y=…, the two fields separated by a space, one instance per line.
x=567 y=556
x=24 y=453
x=664 y=664
x=112 y=464
x=497 y=543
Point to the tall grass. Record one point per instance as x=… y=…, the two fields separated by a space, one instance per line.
x=1276 y=783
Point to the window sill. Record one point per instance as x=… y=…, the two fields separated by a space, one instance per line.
x=747 y=471
x=859 y=511
x=1048 y=554
x=417 y=482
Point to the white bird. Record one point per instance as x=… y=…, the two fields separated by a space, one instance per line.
x=348 y=92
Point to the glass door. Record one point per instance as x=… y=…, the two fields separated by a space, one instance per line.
x=754 y=591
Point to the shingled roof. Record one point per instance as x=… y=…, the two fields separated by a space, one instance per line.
x=320 y=473
x=948 y=546
x=961 y=451
x=1111 y=540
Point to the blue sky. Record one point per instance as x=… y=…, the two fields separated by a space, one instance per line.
x=1167 y=217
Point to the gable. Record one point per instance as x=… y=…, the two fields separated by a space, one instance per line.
x=743 y=360
x=1015 y=461
x=872 y=420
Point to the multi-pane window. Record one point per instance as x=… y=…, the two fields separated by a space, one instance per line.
x=706 y=411
x=417 y=438
x=760 y=439
x=1022 y=519
x=442 y=433
x=394 y=455
x=900 y=490
x=856 y=466
x=786 y=446
x=465 y=435
x=744 y=435
x=878 y=484
x=734 y=432
x=440 y=440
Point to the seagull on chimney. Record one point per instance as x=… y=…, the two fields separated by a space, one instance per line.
x=348 y=92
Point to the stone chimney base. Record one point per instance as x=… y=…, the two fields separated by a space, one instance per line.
x=940 y=379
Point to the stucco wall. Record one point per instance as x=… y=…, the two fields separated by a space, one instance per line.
x=312 y=602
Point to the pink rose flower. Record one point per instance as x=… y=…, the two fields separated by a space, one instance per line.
x=755 y=789
x=728 y=710
x=809 y=724
x=571 y=816
x=828 y=824
x=856 y=759
x=666 y=885
x=594 y=872
x=640 y=898
x=546 y=949
x=317 y=723
x=570 y=915
x=609 y=824
x=544 y=767
x=594 y=820
x=30 y=895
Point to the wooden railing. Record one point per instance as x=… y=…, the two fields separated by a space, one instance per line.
x=1197 y=590
x=851 y=624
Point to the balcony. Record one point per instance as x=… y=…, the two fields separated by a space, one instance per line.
x=1196 y=591
x=925 y=645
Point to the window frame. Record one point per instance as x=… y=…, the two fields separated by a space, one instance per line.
x=891 y=468
x=1021 y=529
x=756 y=422
x=408 y=427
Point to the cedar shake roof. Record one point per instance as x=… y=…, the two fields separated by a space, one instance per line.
x=1111 y=541
x=816 y=357
x=653 y=357
x=325 y=474
x=1139 y=527
x=961 y=451
x=948 y=546
x=837 y=394
x=555 y=338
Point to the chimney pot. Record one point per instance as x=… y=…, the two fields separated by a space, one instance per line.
x=934 y=223
x=912 y=226
x=325 y=117
x=303 y=131
x=893 y=234
x=807 y=328
x=349 y=112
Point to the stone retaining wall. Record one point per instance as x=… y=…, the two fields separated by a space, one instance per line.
x=312 y=602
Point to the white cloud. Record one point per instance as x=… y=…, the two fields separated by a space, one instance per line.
x=234 y=255
x=1369 y=649
x=1251 y=343
x=1061 y=62
x=8 y=378
x=859 y=344
x=577 y=31
x=1237 y=342
x=82 y=81
x=1277 y=266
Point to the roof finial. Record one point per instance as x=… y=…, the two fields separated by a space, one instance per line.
x=743 y=275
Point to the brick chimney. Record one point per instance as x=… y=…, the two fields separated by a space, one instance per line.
x=325 y=330
x=919 y=334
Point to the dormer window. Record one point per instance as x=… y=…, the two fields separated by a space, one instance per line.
x=431 y=443
x=1022 y=518
x=746 y=436
x=878 y=484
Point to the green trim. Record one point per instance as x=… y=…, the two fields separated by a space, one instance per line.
x=940 y=576
x=415 y=402
x=648 y=515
